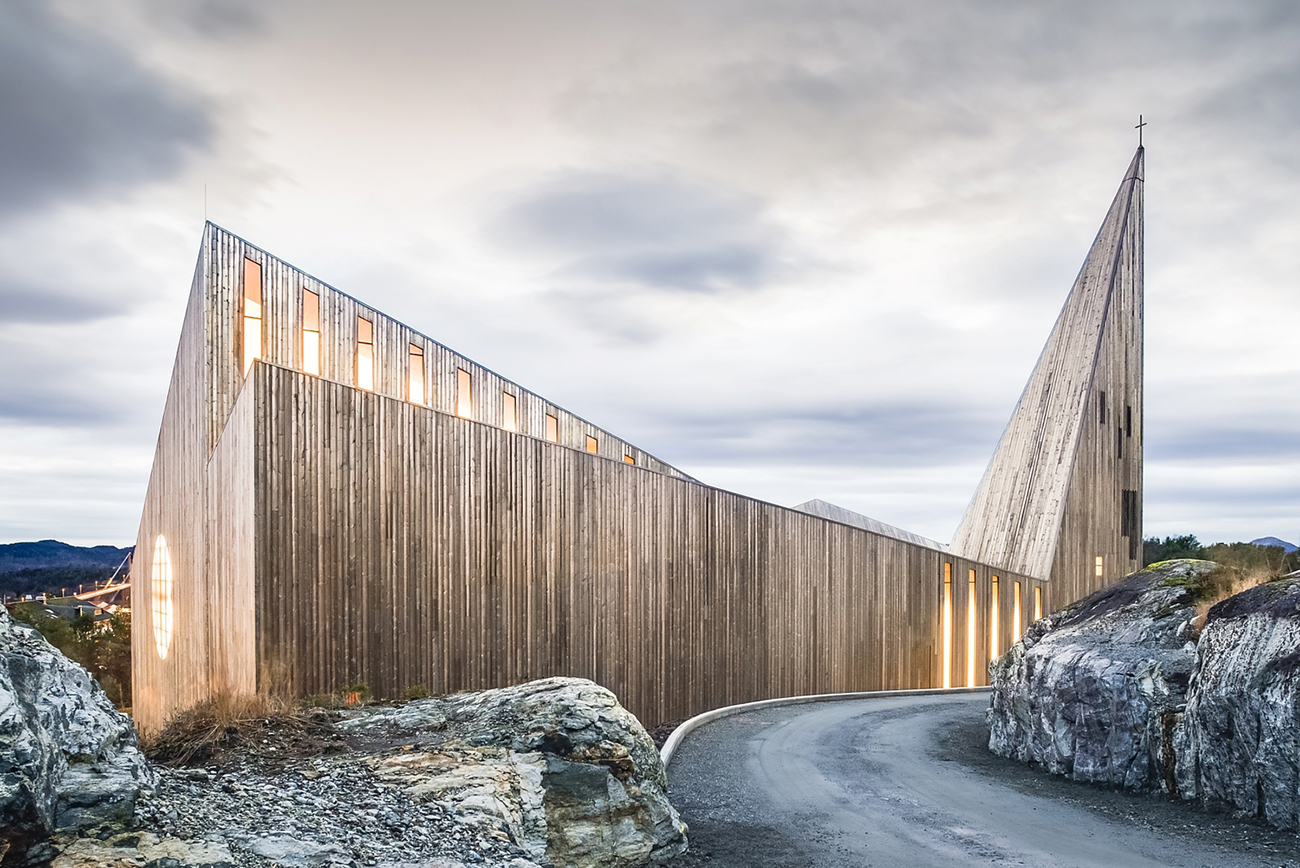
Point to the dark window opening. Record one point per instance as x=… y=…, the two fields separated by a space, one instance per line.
x=1101 y=408
x=1128 y=421
x=1130 y=520
x=1119 y=442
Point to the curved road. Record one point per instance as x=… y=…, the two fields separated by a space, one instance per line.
x=905 y=781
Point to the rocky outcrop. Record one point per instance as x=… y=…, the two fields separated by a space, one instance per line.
x=1093 y=692
x=557 y=766
x=68 y=758
x=1239 y=742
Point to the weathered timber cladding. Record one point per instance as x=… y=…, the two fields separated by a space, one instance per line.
x=323 y=535
x=464 y=556
x=1050 y=502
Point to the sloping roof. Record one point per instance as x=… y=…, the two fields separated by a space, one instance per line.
x=1016 y=515
x=822 y=509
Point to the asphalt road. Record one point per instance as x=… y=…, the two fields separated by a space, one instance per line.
x=909 y=781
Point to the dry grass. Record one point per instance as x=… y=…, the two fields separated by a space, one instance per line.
x=259 y=726
x=1224 y=582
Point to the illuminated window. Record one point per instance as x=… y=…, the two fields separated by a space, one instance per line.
x=552 y=428
x=160 y=589
x=252 y=313
x=592 y=445
x=464 y=395
x=1038 y=603
x=1015 y=616
x=970 y=631
x=310 y=333
x=628 y=459
x=1098 y=564
x=365 y=354
x=947 y=626
x=415 y=374
x=994 y=614
x=509 y=412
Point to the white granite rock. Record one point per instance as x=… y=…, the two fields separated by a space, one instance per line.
x=1093 y=692
x=68 y=758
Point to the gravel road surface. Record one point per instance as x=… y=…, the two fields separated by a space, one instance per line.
x=909 y=781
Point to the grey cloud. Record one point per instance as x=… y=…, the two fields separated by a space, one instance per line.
x=30 y=304
x=648 y=227
x=82 y=116
x=896 y=435
x=215 y=19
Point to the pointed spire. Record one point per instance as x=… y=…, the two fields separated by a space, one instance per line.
x=1037 y=479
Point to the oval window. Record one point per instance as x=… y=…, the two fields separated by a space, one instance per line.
x=160 y=584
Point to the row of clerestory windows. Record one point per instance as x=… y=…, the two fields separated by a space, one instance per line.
x=364 y=373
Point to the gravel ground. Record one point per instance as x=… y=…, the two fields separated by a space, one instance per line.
x=323 y=810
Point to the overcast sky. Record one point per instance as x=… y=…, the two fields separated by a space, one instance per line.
x=796 y=249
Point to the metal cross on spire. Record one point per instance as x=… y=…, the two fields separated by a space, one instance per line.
x=1140 y=124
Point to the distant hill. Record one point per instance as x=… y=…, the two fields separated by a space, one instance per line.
x=1273 y=541
x=50 y=565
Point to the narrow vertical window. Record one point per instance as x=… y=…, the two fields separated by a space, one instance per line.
x=994 y=616
x=592 y=445
x=1098 y=566
x=552 y=428
x=509 y=412
x=160 y=589
x=252 y=334
x=365 y=354
x=1119 y=442
x=1101 y=408
x=947 y=626
x=310 y=333
x=1128 y=420
x=1015 y=616
x=415 y=374
x=628 y=459
x=1038 y=603
x=464 y=394
x=970 y=630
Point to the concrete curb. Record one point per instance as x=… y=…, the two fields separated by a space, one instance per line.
x=674 y=741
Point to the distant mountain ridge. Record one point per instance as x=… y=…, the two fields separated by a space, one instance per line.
x=52 y=553
x=1273 y=541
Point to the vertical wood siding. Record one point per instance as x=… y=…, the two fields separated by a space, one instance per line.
x=323 y=535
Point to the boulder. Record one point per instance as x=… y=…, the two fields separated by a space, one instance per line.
x=1239 y=743
x=556 y=766
x=68 y=758
x=1093 y=692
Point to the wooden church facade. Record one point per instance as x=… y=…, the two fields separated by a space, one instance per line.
x=337 y=498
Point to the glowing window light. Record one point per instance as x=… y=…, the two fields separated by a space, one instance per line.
x=1038 y=603
x=628 y=459
x=1098 y=566
x=509 y=412
x=310 y=333
x=1015 y=616
x=252 y=333
x=970 y=631
x=160 y=589
x=365 y=354
x=415 y=374
x=552 y=428
x=947 y=626
x=994 y=615
x=592 y=446
x=464 y=394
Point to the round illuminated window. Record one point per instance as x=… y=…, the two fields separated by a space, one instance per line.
x=160 y=584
